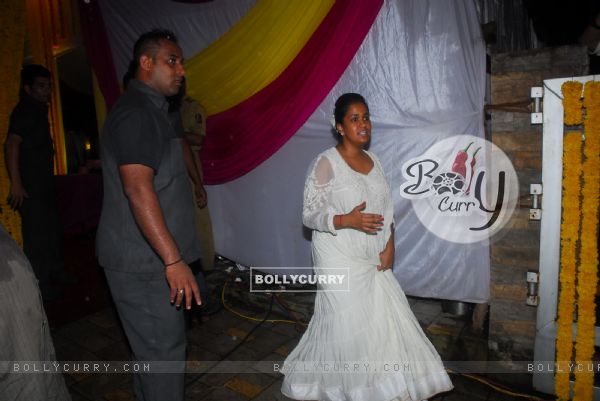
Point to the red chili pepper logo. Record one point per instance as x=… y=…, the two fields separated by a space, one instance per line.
x=460 y=162
x=473 y=162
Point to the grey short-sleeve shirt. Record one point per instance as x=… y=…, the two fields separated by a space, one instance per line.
x=137 y=131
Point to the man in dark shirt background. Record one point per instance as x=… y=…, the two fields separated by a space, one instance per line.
x=146 y=236
x=29 y=156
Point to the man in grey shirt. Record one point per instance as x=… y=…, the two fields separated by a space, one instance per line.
x=24 y=332
x=146 y=236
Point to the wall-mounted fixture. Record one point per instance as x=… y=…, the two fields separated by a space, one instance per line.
x=533 y=280
x=537 y=92
x=535 y=190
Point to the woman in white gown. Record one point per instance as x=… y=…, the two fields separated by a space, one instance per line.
x=363 y=344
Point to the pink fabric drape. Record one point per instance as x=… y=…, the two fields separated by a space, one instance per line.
x=98 y=51
x=241 y=138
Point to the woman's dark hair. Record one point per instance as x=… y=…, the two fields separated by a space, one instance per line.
x=342 y=104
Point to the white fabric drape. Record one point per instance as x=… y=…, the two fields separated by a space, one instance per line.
x=195 y=25
x=421 y=69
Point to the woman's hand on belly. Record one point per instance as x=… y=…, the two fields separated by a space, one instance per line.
x=366 y=222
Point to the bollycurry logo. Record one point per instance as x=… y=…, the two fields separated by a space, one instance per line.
x=463 y=189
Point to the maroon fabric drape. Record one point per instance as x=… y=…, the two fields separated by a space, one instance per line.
x=98 y=50
x=240 y=138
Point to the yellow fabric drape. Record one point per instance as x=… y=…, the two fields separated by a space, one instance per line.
x=12 y=37
x=40 y=31
x=253 y=53
x=99 y=102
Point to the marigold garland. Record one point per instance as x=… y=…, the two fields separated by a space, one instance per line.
x=579 y=228
x=571 y=220
x=588 y=267
x=572 y=103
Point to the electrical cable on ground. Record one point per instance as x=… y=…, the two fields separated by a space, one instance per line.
x=230 y=309
x=293 y=312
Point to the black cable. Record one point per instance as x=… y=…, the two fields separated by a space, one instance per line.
x=299 y=323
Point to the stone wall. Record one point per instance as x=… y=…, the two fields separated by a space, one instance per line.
x=511 y=321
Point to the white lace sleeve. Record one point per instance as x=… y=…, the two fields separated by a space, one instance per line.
x=317 y=211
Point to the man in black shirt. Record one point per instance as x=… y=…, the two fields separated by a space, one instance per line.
x=146 y=236
x=29 y=157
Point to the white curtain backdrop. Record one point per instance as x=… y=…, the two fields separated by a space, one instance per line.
x=422 y=70
x=195 y=25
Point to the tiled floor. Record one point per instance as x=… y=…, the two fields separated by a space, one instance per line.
x=98 y=337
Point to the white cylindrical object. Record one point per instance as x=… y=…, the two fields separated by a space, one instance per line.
x=532 y=277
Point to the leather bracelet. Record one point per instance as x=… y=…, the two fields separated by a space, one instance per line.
x=173 y=263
